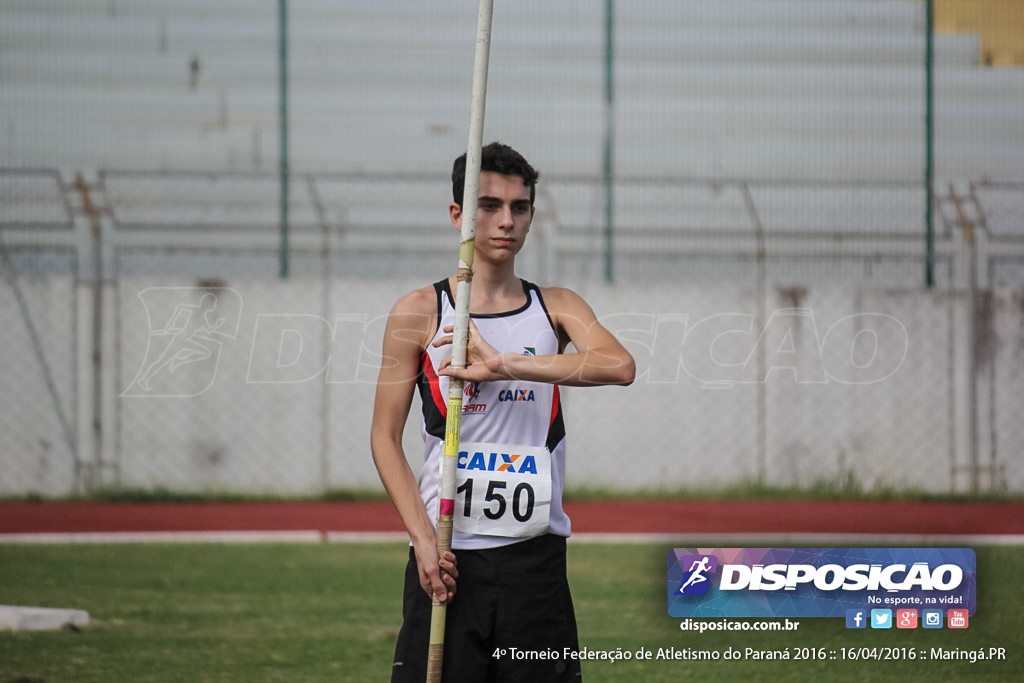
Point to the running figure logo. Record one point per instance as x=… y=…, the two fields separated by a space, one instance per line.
x=186 y=331
x=696 y=581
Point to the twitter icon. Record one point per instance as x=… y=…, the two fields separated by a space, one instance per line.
x=881 y=618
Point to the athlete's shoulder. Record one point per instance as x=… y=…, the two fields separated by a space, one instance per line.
x=422 y=301
x=414 y=318
x=562 y=300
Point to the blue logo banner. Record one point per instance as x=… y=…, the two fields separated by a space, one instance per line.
x=818 y=582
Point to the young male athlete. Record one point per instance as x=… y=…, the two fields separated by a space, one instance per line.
x=510 y=528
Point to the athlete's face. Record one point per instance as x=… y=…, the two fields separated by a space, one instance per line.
x=503 y=215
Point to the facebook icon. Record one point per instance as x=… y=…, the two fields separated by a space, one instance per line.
x=856 y=618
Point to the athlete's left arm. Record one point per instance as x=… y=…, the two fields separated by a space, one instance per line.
x=600 y=359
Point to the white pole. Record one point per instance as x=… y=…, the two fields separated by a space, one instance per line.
x=460 y=334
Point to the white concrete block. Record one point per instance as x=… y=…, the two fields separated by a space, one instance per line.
x=17 y=618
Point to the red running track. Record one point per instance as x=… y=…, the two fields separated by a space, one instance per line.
x=616 y=517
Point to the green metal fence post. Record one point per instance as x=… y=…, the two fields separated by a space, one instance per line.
x=282 y=44
x=609 y=140
x=929 y=144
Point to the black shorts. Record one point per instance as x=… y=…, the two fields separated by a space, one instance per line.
x=516 y=596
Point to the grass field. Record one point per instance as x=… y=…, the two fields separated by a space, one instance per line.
x=330 y=612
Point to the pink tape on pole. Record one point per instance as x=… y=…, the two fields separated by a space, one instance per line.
x=447 y=507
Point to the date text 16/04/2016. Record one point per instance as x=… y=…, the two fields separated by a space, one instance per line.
x=731 y=653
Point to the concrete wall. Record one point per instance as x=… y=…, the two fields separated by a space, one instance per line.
x=854 y=386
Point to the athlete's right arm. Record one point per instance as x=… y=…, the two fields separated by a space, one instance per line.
x=410 y=326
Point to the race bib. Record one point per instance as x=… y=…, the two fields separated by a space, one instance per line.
x=503 y=490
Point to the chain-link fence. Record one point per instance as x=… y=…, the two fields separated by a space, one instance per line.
x=810 y=236
x=145 y=354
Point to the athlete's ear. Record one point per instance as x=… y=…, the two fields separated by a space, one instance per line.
x=455 y=213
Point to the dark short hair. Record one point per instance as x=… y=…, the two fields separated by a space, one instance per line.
x=497 y=158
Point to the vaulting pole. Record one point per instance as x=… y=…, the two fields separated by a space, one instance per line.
x=460 y=334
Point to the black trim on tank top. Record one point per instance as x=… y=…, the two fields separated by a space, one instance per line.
x=527 y=287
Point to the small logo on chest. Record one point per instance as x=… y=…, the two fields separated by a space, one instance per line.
x=515 y=395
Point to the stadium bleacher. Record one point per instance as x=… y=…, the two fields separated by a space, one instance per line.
x=729 y=118
x=737 y=89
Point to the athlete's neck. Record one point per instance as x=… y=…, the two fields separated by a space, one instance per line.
x=492 y=292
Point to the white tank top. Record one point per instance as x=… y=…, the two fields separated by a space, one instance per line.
x=511 y=469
